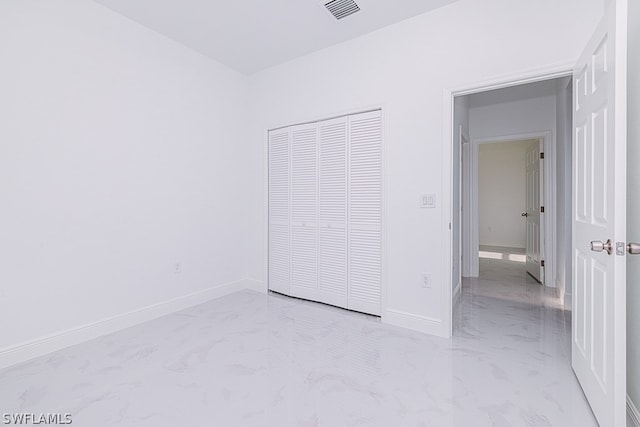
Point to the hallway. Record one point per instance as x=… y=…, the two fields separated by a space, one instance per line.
x=521 y=336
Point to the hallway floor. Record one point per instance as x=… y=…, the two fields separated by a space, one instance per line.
x=250 y=359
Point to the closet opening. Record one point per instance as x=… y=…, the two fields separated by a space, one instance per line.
x=325 y=211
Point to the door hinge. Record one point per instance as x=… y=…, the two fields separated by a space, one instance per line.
x=542 y=155
x=541 y=209
x=542 y=263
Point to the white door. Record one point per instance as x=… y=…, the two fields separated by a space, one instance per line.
x=279 y=204
x=533 y=214
x=332 y=183
x=599 y=217
x=304 y=211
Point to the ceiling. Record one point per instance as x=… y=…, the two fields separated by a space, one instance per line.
x=251 y=35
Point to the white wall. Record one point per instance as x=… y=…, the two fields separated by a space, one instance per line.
x=633 y=206
x=564 y=117
x=502 y=191
x=512 y=117
x=405 y=68
x=121 y=154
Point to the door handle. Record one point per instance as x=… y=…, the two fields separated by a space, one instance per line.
x=598 y=246
x=524 y=214
x=633 y=248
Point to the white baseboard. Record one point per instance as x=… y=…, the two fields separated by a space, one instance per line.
x=567 y=301
x=255 y=285
x=414 y=322
x=31 y=349
x=457 y=292
x=552 y=291
x=633 y=412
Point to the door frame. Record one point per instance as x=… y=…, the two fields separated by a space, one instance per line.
x=464 y=200
x=498 y=82
x=547 y=223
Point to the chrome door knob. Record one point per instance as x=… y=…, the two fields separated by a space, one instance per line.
x=598 y=246
x=633 y=248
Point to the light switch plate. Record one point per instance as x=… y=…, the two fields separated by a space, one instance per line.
x=428 y=201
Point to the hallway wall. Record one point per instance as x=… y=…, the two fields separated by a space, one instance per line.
x=564 y=126
x=502 y=193
x=460 y=193
x=513 y=111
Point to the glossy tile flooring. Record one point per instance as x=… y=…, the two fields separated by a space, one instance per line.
x=250 y=359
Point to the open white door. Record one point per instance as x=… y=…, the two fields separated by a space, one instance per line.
x=599 y=218
x=534 y=234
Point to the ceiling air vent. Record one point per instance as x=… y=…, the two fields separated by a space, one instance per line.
x=342 y=8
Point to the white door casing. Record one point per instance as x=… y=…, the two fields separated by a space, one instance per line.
x=533 y=219
x=466 y=252
x=459 y=202
x=599 y=214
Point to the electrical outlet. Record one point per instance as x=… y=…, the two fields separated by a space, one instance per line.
x=177 y=268
x=426 y=280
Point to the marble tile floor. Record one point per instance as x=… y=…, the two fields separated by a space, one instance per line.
x=503 y=278
x=252 y=359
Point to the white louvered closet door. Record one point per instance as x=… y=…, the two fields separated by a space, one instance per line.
x=332 y=183
x=365 y=212
x=279 y=204
x=304 y=211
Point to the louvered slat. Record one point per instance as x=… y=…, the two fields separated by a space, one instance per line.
x=279 y=258
x=333 y=267
x=332 y=281
x=365 y=212
x=279 y=198
x=333 y=172
x=304 y=207
x=304 y=262
x=304 y=174
x=365 y=271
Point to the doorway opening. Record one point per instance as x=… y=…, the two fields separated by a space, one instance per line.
x=594 y=205
x=512 y=187
x=509 y=191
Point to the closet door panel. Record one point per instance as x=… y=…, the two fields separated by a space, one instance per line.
x=365 y=212
x=365 y=271
x=332 y=280
x=304 y=263
x=304 y=211
x=279 y=204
